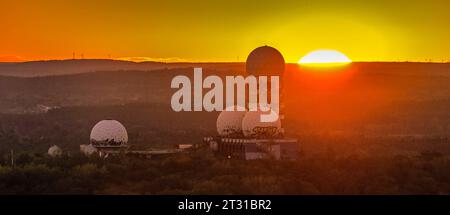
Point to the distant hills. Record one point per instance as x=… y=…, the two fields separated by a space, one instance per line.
x=67 y=67
x=64 y=67
x=32 y=86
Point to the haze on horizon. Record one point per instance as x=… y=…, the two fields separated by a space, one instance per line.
x=224 y=31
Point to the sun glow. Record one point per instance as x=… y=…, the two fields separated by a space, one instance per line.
x=324 y=58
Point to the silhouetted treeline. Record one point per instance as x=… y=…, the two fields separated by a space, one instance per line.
x=202 y=173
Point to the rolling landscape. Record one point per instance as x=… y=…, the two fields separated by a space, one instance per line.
x=364 y=115
x=370 y=99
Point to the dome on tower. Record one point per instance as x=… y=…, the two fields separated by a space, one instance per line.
x=265 y=60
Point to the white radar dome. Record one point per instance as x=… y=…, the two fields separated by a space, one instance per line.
x=109 y=133
x=54 y=151
x=229 y=123
x=254 y=128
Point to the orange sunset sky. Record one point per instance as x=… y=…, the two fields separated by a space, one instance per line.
x=213 y=30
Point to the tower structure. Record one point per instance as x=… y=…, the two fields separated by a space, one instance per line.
x=244 y=135
x=268 y=61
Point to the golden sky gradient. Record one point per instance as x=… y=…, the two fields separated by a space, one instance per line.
x=217 y=30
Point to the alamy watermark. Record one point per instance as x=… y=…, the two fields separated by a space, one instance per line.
x=213 y=100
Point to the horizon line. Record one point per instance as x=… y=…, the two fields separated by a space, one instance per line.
x=189 y=61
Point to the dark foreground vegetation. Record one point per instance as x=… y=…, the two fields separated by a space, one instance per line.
x=202 y=173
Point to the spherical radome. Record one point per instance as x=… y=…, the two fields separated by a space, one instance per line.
x=229 y=123
x=54 y=151
x=253 y=127
x=265 y=60
x=109 y=133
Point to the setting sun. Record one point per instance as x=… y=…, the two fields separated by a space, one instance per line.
x=324 y=57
